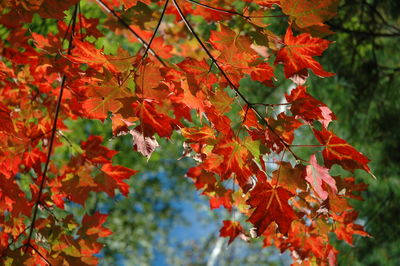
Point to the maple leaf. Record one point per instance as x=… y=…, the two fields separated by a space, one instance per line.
x=120 y=126
x=291 y=178
x=270 y=205
x=33 y=159
x=131 y=3
x=146 y=145
x=85 y=52
x=231 y=229
x=193 y=95
x=220 y=122
x=12 y=197
x=112 y=177
x=338 y=151
x=95 y=152
x=93 y=227
x=149 y=84
x=237 y=159
x=202 y=179
x=5 y=71
x=221 y=197
x=50 y=43
x=200 y=135
x=345 y=228
x=316 y=175
x=263 y=73
x=198 y=70
x=75 y=184
x=336 y=203
x=102 y=96
x=221 y=100
x=235 y=52
x=152 y=120
x=306 y=107
x=309 y=12
x=307 y=243
x=55 y=8
x=138 y=12
x=265 y=3
x=348 y=186
x=298 y=52
x=281 y=129
x=156 y=95
x=207 y=13
x=6 y=123
x=346 y=231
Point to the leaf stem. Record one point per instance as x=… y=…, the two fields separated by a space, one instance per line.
x=271 y=104
x=295 y=145
x=126 y=25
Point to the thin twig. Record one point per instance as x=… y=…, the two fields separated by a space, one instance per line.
x=233 y=12
x=53 y=132
x=156 y=29
x=231 y=84
x=126 y=25
x=13 y=241
x=40 y=254
x=219 y=9
x=271 y=104
x=148 y=47
x=80 y=21
x=279 y=169
x=296 y=145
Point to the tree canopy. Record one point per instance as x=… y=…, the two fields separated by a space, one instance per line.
x=228 y=79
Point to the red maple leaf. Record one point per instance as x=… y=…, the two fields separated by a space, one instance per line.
x=95 y=152
x=152 y=94
x=112 y=177
x=6 y=123
x=338 y=151
x=298 y=52
x=85 y=52
x=307 y=13
x=199 y=135
x=271 y=205
x=306 y=107
x=345 y=227
x=231 y=229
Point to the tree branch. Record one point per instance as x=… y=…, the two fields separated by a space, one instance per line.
x=363 y=33
x=4 y=251
x=156 y=29
x=126 y=25
x=231 y=84
x=233 y=12
x=40 y=254
x=53 y=132
x=219 y=9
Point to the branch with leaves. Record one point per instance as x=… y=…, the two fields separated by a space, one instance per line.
x=171 y=85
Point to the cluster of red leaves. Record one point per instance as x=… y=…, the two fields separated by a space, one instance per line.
x=294 y=203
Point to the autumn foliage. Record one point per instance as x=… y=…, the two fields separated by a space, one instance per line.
x=181 y=80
